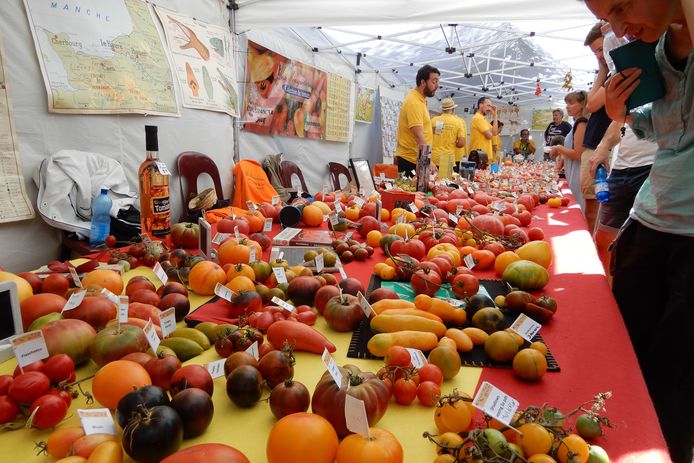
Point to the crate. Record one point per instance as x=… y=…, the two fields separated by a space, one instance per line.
x=391 y=199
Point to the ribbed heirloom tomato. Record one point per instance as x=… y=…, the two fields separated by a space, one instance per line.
x=379 y=447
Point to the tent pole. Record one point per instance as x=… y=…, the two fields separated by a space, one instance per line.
x=232 y=6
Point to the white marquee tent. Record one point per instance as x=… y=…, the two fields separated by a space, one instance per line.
x=498 y=48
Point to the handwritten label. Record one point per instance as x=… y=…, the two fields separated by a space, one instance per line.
x=75 y=277
x=383 y=176
x=359 y=202
x=499 y=206
x=348 y=236
x=219 y=237
x=332 y=368
x=74 y=301
x=236 y=233
x=413 y=172
x=253 y=350
x=251 y=207
x=267 y=225
x=417 y=356
x=109 y=295
x=216 y=368
x=333 y=219
x=341 y=269
x=414 y=208
x=161 y=167
x=365 y=306
x=97 y=421
x=274 y=253
x=320 y=262
x=151 y=335
x=280 y=274
x=526 y=327
x=123 y=305
x=401 y=219
x=251 y=255
x=355 y=415
x=452 y=218
x=495 y=403
x=223 y=291
x=29 y=347
x=388 y=186
x=284 y=304
x=455 y=302
x=160 y=273
x=458 y=209
x=469 y=261
x=275 y=200
x=338 y=206
x=167 y=321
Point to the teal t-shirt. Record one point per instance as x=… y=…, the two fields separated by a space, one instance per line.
x=665 y=202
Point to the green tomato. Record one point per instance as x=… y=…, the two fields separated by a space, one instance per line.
x=597 y=455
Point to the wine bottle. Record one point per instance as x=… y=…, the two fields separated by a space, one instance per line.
x=155 y=208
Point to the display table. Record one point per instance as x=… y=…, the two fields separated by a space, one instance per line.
x=587 y=337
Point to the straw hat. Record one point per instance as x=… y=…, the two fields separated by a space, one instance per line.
x=261 y=66
x=448 y=103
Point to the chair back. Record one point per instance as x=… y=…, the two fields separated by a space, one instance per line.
x=289 y=169
x=190 y=165
x=336 y=169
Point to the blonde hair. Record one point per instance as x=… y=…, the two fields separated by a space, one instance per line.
x=579 y=96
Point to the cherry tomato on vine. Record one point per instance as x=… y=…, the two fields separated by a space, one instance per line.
x=59 y=368
x=9 y=409
x=428 y=393
x=5 y=381
x=431 y=372
x=404 y=391
x=51 y=411
x=398 y=356
x=110 y=241
x=63 y=394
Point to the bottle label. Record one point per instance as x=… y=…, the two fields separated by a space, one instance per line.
x=601 y=187
x=161 y=218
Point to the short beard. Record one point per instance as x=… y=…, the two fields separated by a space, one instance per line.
x=429 y=93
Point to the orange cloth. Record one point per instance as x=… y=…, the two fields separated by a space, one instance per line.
x=251 y=184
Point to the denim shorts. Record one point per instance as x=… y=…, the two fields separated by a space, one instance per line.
x=623 y=185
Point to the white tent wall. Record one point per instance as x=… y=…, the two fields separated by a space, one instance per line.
x=29 y=244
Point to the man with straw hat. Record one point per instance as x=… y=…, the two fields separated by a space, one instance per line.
x=449 y=133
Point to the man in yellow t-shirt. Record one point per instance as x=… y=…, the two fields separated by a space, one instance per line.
x=524 y=146
x=461 y=152
x=449 y=134
x=414 y=124
x=481 y=131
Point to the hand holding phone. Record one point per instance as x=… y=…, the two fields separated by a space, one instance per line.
x=639 y=54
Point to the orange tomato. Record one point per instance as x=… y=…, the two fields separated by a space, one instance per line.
x=240 y=270
x=302 y=437
x=381 y=447
x=534 y=438
x=241 y=283
x=352 y=213
x=116 y=379
x=573 y=449
x=385 y=214
x=102 y=278
x=541 y=458
x=107 y=452
x=373 y=238
x=502 y=261
x=59 y=443
x=485 y=259
x=465 y=250
x=312 y=216
x=530 y=365
x=452 y=417
x=204 y=276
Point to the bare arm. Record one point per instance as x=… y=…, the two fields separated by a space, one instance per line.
x=570 y=153
x=601 y=155
x=418 y=132
x=688 y=9
x=596 y=95
x=460 y=142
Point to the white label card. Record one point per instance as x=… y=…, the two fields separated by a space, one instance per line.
x=253 y=350
x=341 y=269
x=251 y=255
x=216 y=368
x=333 y=219
x=418 y=358
x=388 y=186
x=526 y=327
x=275 y=200
x=205 y=238
x=74 y=301
x=359 y=202
x=236 y=233
x=499 y=206
x=355 y=416
x=219 y=237
x=469 y=261
x=75 y=277
x=167 y=321
x=338 y=206
x=152 y=336
x=413 y=172
x=383 y=176
x=223 y=291
x=251 y=207
x=97 y=421
x=161 y=167
x=123 y=303
x=29 y=347
x=365 y=306
x=285 y=305
x=109 y=295
x=267 y=225
x=453 y=218
x=458 y=209
x=334 y=371
x=495 y=403
x=160 y=273
x=455 y=302
x=414 y=208
x=280 y=274
x=348 y=236
x=274 y=253
x=320 y=262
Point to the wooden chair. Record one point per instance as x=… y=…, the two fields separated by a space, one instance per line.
x=190 y=165
x=289 y=169
x=336 y=169
x=71 y=246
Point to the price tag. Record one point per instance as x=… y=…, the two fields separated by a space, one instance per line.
x=389 y=187
x=470 y=191
x=355 y=415
x=413 y=172
x=299 y=192
x=160 y=273
x=275 y=200
x=74 y=301
x=267 y=225
x=280 y=275
x=251 y=255
x=109 y=295
x=216 y=368
x=330 y=364
x=223 y=292
x=236 y=233
x=401 y=219
x=338 y=197
x=97 y=421
x=151 y=335
x=495 y=403
x=75 y=277
x=333 y=219
x=338 y=206
x=348 y=236
x=469 y=261
x=458 y=209
x=417 y=356
x=414 y=208
x=161 y=167
x=285 y=305
x=382 y=176
x=365 y=306
x=359 y=202
x=341 y=269
x=251 y=207
x=205 y=237
x=352 y=188
x=274 y=254
x=526 y=327
x=455 y=302
x=320 y=262
x=325 y=217
x=325 y=191
x=123 y=303
x=29 y=347
x=219 y=237
x=167 y=321
x=453 y=218
x=253 y=350
x=499 y=206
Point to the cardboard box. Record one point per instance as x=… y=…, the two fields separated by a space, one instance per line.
x=392 y=199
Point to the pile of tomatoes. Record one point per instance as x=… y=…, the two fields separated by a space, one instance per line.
x=405 y=383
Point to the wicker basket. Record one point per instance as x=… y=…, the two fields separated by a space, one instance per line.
x=203 y=201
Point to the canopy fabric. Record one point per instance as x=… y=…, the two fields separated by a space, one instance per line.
x=255 y=14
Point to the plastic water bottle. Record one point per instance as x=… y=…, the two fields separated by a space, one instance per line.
x=101 y=218
x=602 y=191
x=610 y=42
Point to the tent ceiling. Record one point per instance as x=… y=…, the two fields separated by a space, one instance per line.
x=502 y=60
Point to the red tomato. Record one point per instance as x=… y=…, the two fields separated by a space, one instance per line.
x=404 y=391
x=289 y=397
x=428 y=393
x=5 y=381
x=8 y=409
x=51 y=411
x=63 y=394
x=28 y=387
x=464 y=285
x=398 y=356
x=263 y=320
x=425 y=282
x=161 y=369
x=59 y=368
x=35 y=366
x=430 y=372
x=308 y=318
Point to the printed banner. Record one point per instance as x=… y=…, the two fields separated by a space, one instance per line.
x=541 y=118
x=366 y=99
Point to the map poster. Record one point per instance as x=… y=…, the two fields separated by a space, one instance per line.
x=203 y=61
x=14 y=203
x=101 y=57
x=366 y=99
x=283 y=97
x=339 y=114
x=541 y=118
